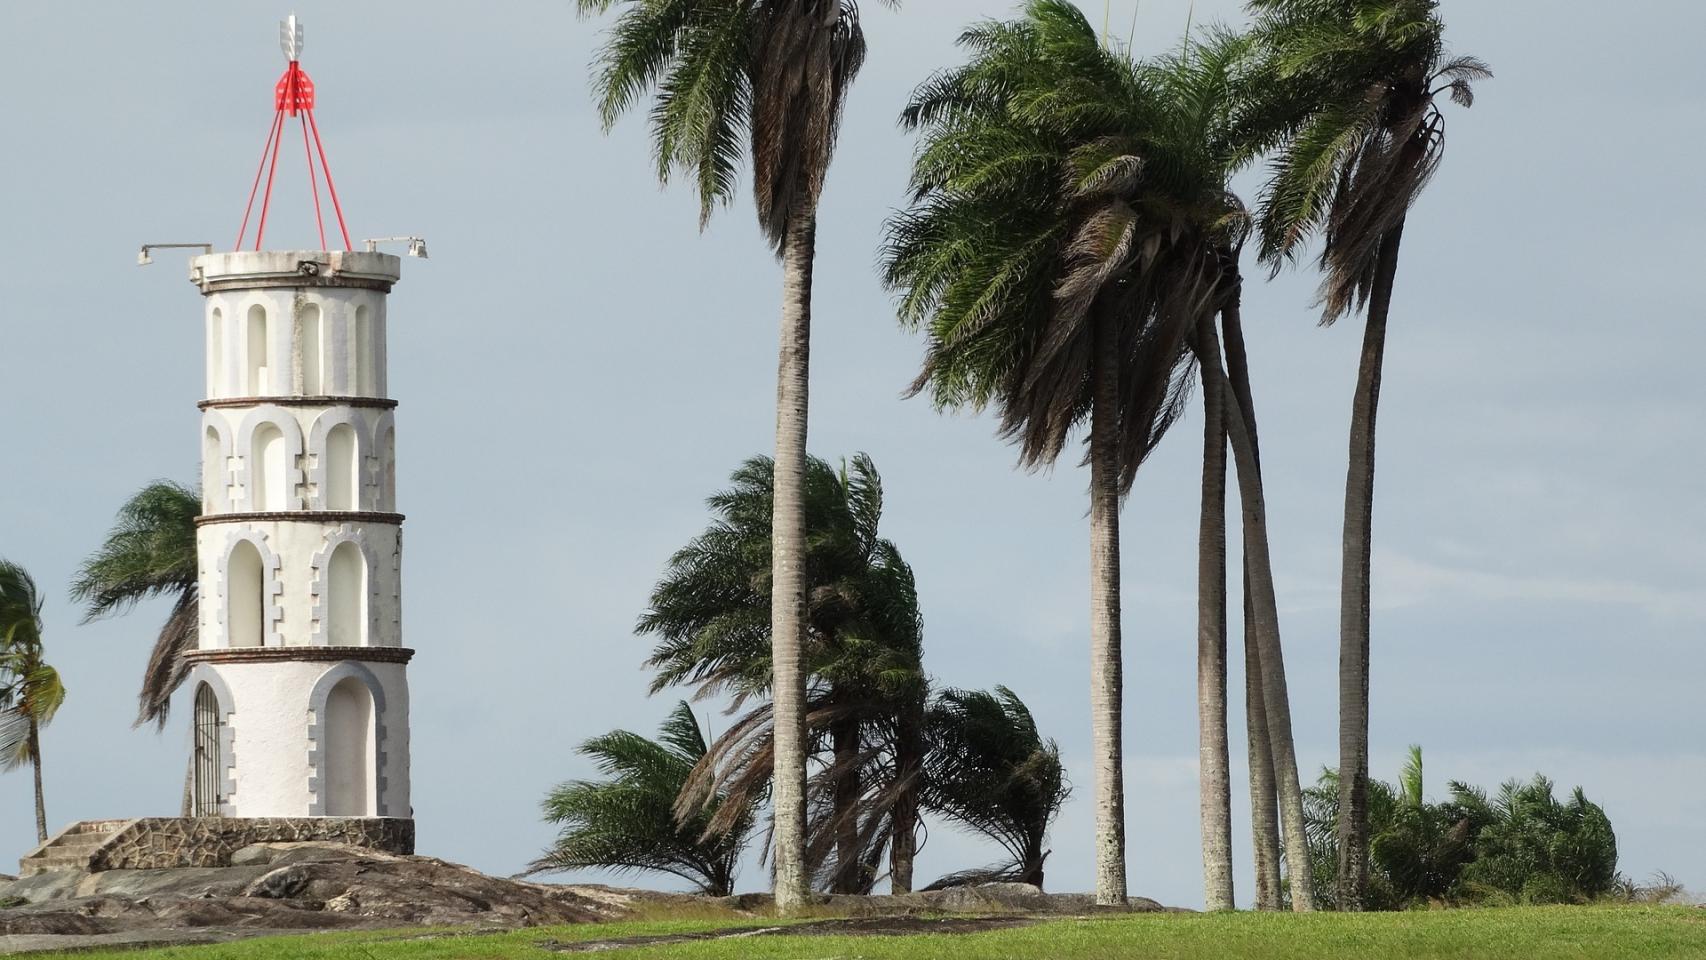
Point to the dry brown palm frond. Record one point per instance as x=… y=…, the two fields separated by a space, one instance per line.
x=167 y=669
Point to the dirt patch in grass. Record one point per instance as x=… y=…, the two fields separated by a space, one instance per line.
x=853 y=927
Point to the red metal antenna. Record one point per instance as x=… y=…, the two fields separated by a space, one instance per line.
x=292 y=97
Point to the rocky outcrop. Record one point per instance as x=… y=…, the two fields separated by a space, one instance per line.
x=280 y=887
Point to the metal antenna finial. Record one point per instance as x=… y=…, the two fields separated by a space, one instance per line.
x=290 y=38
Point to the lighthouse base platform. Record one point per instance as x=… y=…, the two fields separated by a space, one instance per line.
x=157 y=843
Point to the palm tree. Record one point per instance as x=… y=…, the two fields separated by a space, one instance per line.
x=1066 y=240
x=628 y=823
x=1350 y=100
x=1530 y=847
x=150 y=552
x=768 y=78
x=999 y=258
x=863 y=650
x=31 y=691
x=1196 y=83
x=991 y=772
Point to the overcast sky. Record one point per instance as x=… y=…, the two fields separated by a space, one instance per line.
x=578 y=368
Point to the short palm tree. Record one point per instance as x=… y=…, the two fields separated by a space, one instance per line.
x=991 y=772
x=150 y=552
x=767 y=78
x=1064 y=250
x=1350 y=93
x=31 y=691
x=863 y=654
x=1533 y=848
x=627 y=822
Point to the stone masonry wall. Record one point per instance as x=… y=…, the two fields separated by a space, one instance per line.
x=162 y=842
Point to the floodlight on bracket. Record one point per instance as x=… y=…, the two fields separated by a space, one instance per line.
x=417 y=246
x=143 y=259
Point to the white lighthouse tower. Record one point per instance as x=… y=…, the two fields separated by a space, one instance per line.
x=301 y=698
x=299 y=677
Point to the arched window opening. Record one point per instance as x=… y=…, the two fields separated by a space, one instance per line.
x=256 y=346
x=313 y=360
x=212 y=471
x=245 y=597
x=346 y=600
x=209 y=765
x=348 y=772
x=343 y=480
x=269 y=466
x=361 y=353
x=216 y=354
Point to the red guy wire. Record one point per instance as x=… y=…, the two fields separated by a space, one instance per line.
x=266 y=198
x=272 y=132
x=330 y=188
x=313 y=185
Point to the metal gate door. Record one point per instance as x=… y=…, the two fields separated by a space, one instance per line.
x=207 y=759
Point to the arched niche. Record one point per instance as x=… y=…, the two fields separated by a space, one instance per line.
x=341 y=446
x=249 y=590
x=346 y=743
x=270 y=473
x=216 y=353
x=345 y=607
x=312 y=337
x=257 y=339
x=215 y=465
x=361 y=351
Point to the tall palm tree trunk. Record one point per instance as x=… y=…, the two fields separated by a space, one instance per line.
x=909 y=772
x=1264 y=797
x=844 y=806
x=1264 y=810
x=787 y=597
x=35 y=765
x=1105 y=670
x=1215 y=779
x=1275 y=701
x=1354 y=589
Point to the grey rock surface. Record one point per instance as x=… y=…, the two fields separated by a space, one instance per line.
x=298 y=888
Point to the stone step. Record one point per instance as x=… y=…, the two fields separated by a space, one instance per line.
x=78 y=842
x=30 y=866
x=97 y=827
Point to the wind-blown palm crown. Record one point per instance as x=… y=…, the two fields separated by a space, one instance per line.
x=769 y=75
x=862 y=654
x=710 y=612
x=1348 y=92
x=628 y=823
x=990 y=771
x=1056 y=185
x=150 y=552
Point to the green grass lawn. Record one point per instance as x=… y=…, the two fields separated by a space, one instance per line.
x=1540 y=933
